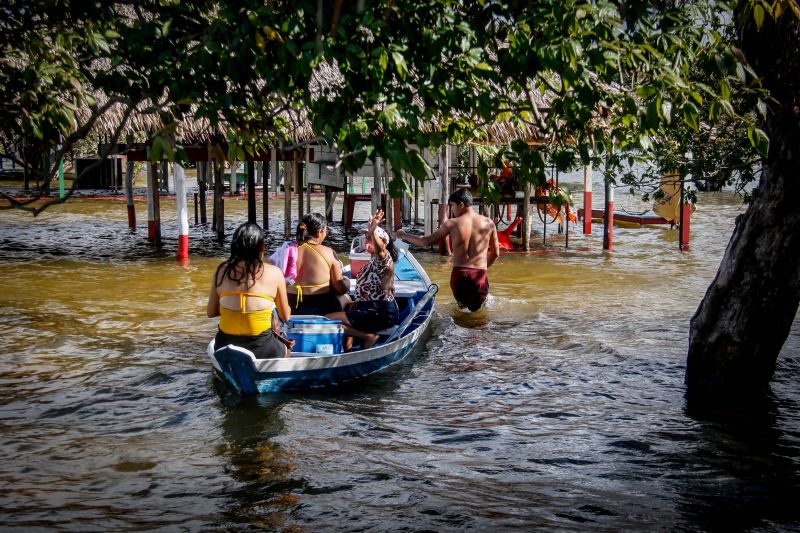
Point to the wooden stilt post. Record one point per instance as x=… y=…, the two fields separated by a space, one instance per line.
x=219 y=201
x=265 y=193
x=390 y=212
x=306 y=163
x=416 y=200
x=287 y=198
x=526 y=217
x=251 y=191
x=183 y=216
x=608 y=218
x=587 y=200
x=202 y=188
x=129 y=195
x=376 y=185
x=234 y=182
x=61 y=178
x=156 y=195
x=444 y=207
x=298 y=181
x=275 y=183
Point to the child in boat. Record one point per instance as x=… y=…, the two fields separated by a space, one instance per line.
x=374 y=307
x=244 y=292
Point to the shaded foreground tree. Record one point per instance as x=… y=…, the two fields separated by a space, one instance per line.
x=745 y=316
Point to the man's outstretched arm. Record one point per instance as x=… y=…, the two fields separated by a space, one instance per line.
x=425 y=240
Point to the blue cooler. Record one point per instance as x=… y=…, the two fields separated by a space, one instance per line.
x=315 y=334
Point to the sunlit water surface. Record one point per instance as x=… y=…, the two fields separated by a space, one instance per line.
x=561 y=406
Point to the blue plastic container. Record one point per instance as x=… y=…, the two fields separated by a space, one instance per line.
x=315 y=334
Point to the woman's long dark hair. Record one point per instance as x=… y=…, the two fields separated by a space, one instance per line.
x=392 y=249
x=310 y=226
x=246 y=246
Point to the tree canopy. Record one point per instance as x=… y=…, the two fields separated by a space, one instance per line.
x=601 y=79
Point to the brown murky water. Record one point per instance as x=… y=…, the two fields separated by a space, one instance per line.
x=561 y=406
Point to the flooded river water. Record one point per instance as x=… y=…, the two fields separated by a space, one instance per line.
x=561 y=406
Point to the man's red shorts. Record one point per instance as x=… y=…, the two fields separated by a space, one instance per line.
x=470 y=287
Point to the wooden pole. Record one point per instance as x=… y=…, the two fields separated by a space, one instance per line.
x=287 y=199
x=251 y=192
x=202 y=187
x=129 y=195
x=274 y=170
x=444 y=168
x=265 y=193
x=526 y=217
x=307 y=161
x=376 y=185
x=587 y=200
x=390 y=213
x=298 y=180
x=234 y=182
x=219 y=205
x=156 y=196
x=183 y=217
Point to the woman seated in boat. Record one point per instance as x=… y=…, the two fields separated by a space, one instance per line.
x=319 y=285
x=244 y=292
x=374 y=307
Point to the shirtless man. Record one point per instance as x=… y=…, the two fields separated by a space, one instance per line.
x=473 y=238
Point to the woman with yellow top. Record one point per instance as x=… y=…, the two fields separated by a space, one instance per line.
x=244 y=292
x=319 y=282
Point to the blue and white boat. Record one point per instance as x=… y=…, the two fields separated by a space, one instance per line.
x=321 y=364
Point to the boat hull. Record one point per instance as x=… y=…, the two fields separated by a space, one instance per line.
x=249 y=376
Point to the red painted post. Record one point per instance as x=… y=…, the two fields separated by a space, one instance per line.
x=398 y=214
x=686 y=213
x=587 y=200
x=183 y=217
x=608 y=226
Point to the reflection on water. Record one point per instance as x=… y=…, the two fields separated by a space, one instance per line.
x=559 y=406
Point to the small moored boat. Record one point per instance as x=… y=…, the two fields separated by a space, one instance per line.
x=318 y=361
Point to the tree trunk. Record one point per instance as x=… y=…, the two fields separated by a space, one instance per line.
x=746 y=314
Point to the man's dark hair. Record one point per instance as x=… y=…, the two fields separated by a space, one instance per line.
x=460 y=196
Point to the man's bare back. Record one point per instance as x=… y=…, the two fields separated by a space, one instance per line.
x=471 y=236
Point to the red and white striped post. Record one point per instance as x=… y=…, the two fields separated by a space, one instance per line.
x=587 y=200
x=183 y=216
x=608 y=223
x=685 y=214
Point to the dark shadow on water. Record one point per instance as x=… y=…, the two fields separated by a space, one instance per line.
x=267 y=490
x=740 y=472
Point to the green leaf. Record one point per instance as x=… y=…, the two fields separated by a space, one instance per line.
x=759 y=140
x=665 y=110
x=417 y=165
x=758 y=15
x=398 y=187
x=400 y=63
